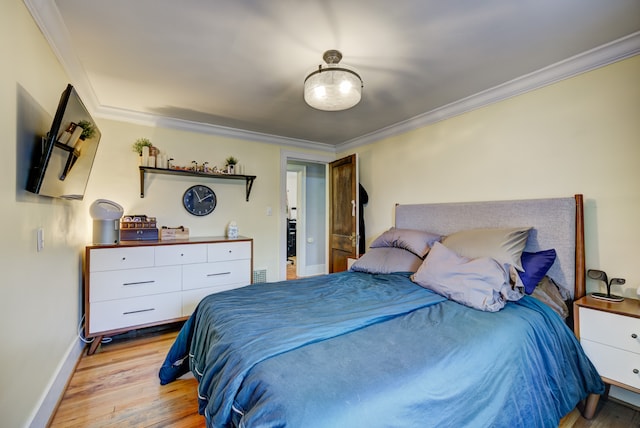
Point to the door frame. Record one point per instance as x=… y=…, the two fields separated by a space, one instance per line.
x=285 y=157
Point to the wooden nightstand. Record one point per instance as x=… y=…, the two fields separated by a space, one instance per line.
x=610 y=336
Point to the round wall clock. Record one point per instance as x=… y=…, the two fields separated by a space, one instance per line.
x=199 y=200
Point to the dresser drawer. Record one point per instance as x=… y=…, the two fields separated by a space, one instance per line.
x=215 y=274
x=191 y=298
x=229 y=251
x=610 y=329
x=180 y=254
x=129 y=313
x=613 y=363
x=120 y=258
x=119 y=284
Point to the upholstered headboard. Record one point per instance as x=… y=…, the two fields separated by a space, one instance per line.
x=557 y=223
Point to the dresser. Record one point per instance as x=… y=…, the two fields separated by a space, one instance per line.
x=610 y=336
x=141 y=284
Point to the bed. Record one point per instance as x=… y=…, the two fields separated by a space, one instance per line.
x=436 y=325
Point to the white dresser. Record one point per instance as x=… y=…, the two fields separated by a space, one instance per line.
x=610 y=336
x=141 y=284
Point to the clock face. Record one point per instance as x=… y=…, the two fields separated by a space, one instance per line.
x=199 y=200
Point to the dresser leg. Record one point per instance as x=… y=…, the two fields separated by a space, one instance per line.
x=93 y=346
x=590 y=406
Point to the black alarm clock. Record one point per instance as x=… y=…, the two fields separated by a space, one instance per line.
x=199 y=200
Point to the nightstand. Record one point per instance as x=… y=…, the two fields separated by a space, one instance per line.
x=610 y=336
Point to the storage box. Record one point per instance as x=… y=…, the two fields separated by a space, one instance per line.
x=138 y=222
x=169 y=233
x=145 y=234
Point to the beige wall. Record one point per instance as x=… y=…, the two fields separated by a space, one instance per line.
x=40 y=292
x=115 y=176
x=581 y=135
x=577 y=136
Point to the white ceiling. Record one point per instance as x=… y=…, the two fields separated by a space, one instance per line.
x=237 y=67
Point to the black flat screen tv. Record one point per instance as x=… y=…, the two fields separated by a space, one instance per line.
x=61 y=162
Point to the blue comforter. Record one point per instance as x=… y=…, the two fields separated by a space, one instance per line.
x=399 y=355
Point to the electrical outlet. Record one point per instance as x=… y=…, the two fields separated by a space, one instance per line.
x=269 y=211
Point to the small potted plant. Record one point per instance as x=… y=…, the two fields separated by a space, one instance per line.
x=139 y=144
x=88 y=130
x=231 y=164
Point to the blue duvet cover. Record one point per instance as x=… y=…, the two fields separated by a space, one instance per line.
x=360 y=350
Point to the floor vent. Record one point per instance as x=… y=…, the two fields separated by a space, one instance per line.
x=259 y=276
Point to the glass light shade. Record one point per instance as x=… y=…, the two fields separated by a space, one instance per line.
x=333 y=88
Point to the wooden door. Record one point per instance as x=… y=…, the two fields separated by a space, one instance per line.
x=343 y=212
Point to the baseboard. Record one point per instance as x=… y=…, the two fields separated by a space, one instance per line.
x=50 y=398
x=625 y=396
x=313 y=270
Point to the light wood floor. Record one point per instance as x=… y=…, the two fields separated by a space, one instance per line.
x=291 y=268
x=118 y=386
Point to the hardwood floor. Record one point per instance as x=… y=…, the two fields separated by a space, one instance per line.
x=291 y=268
x=118 y=386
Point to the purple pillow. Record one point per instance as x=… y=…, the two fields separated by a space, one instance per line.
x=536 y=266
x=419 y=242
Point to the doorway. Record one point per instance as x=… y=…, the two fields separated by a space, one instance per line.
x=296 y=193
x=304 y=225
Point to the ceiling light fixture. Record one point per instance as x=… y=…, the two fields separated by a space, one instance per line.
x=333 y=87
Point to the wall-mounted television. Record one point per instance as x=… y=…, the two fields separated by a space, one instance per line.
x=61 y=162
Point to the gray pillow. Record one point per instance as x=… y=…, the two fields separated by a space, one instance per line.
x=480 y=283
x=387 y=260
x=547 y=291
x=417 y=241
x=502 y=244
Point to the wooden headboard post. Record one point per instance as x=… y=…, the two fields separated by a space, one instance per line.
x=581 y=287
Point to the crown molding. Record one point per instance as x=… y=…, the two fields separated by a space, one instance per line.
x=601 y=56
x=148 y=119
x=48 y=18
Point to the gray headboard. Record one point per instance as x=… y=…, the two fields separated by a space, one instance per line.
x=553 y=220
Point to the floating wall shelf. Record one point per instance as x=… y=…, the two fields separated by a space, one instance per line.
x=147 y=169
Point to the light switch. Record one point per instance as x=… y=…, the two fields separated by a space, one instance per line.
x=40 y=239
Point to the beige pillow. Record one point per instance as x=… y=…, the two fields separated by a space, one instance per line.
x=502 y=244
x=548 y=292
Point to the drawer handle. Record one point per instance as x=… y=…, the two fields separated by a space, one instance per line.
x=218 y=274
x=128 y=284
x=635 y=336
x=636 y=371
x=138 y=311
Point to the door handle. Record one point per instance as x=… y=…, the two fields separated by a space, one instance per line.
x=353 y=208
